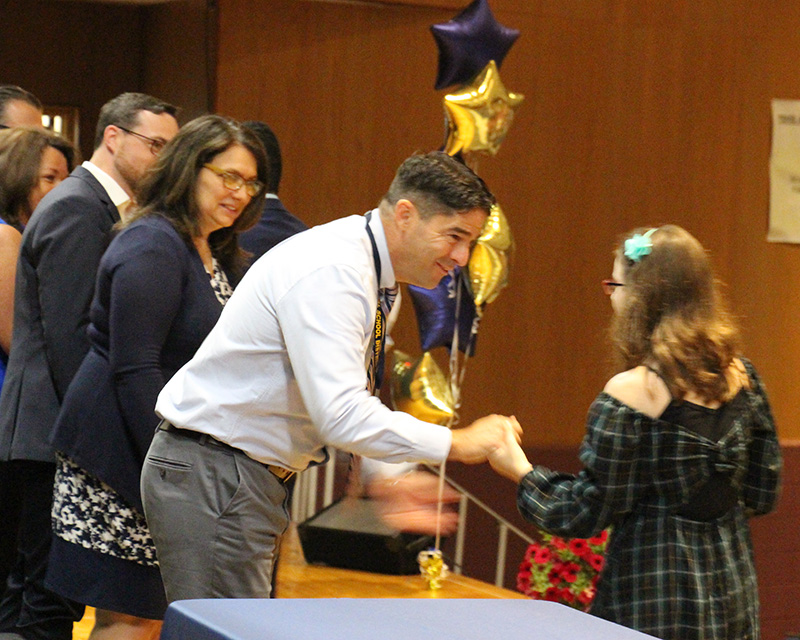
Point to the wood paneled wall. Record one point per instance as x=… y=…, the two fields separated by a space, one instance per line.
x=82 y=54
x=73 y=54
x=636 y=113
x=180 y=49
x=777 y=552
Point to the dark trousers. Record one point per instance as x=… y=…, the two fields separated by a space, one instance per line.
x=10 y=505
x=27 y=607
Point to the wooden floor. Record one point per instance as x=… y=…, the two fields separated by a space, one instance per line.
x=297 y=579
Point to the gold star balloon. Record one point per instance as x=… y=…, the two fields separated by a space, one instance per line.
x=479 y=116
x=420 y=388
x=496 y=233
x=488 y=263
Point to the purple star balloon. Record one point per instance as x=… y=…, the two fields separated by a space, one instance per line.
x=439 y=312
x=468 y=42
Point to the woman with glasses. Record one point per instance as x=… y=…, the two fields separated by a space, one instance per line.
x=680 y=451
x=160 y=289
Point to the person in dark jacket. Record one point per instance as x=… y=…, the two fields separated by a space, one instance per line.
x=56 y=270
x=276 y=223
x=160 y=289
x=32 y=162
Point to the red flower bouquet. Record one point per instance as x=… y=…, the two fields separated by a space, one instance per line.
x=563 y=570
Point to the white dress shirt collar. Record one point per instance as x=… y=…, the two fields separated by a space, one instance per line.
x=114 y=191
x=387 y=271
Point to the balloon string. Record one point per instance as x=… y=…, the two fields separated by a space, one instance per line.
x=439 y=505
x=455 y=379
x=471 y=160
x=457 y=372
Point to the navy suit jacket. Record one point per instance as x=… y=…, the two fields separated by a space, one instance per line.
x=61 y=250
x=152 y=308
x=276 y=224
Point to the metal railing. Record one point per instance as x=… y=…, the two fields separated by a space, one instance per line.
x=306 y=502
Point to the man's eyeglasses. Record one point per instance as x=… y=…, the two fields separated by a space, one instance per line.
x=155 y=144
x=610 y=285
x=234 y=181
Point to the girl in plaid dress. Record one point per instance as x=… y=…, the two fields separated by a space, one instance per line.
x=680 y=451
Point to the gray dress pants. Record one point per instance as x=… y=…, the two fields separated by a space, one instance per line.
x=216 y=517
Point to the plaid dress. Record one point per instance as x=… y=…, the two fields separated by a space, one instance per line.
x=673 y=577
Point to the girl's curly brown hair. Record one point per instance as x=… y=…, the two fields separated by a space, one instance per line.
x=674 y=319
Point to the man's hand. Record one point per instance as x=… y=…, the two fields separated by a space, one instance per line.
x=409 y=503
x=509 y=460
x=474 y=443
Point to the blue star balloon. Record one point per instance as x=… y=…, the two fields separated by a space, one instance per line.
x=441 y=309
x=468 y=42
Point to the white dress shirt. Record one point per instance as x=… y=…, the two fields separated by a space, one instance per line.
x=283 y=373
x=114 y=191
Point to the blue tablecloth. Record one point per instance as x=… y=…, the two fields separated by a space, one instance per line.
x=385 y=619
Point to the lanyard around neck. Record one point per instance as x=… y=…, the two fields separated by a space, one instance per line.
x=376 y=365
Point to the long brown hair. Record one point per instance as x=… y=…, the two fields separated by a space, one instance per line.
x=673 y=318
x=168 y=189
x=21 y=150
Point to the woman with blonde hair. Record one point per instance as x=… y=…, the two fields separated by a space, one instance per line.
x=680 y=451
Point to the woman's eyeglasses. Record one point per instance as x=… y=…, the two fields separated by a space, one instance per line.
x=610 y=285
x=234 y=181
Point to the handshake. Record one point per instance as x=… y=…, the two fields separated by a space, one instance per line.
x=411 y=503
x=494 y=438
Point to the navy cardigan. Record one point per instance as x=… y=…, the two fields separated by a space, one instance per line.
x=152 y=308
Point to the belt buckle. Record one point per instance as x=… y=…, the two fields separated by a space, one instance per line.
x=280 y=473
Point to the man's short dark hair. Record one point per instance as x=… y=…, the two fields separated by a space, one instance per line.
x=123 y=111
x=11 y=92
x=273 y=149
x=439 y=184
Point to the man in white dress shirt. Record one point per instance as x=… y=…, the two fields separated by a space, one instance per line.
x=286 y=372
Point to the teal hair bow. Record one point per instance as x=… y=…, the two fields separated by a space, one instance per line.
x=638 y=246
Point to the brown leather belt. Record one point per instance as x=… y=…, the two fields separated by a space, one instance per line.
x=203 y=438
